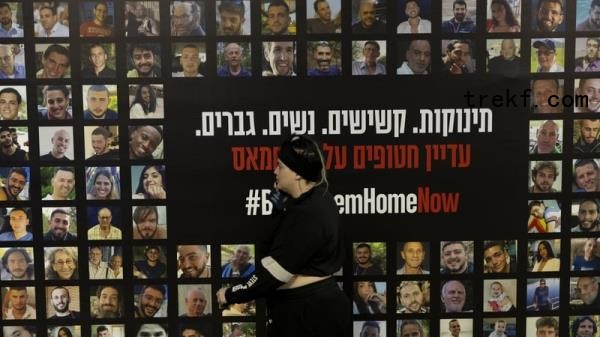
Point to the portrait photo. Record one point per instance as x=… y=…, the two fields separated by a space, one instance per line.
x=456 y=257
x=52 y=61
x=323 y=16
x=370 y=258
x=149 y=222
x=98 y=60
x=100 y=102
x=234 y=59
x=54 y=102
x=194 y=300
x=414 y=16
x=324 y=58
x=58 y=183
x=456 y=296
x=450 y=327
x=12 y=24
x=193 y=261
x=97 y=18
x=369 y=328
x=368 y=57
x=13 y=61
x=588 y=16
x=459 y=16
x=537 y=326
x=543 y=255
x=62 y=302
x=14 y=143
x=547 y=95
x=247 y=329
x=547 y=55
x=544 y=216
x=51 y=19
x=548 y=16
x=545 y=176
x=143 y=60
x=546 y=136
x=413 y=258
x=16 y=224
x=149 y=262
x=498 y=326
x=458 y=56
x=142 y=18
x=146 y=101
x=61 y=263
x=101 y=142
x=411 y=327
x=104 y=223
x=369 y=17
x=18 y=303
x=279 y=58
x=148 y=182
x=586 y=176
x=146 y=142
x=503 y=16
x=107 y=301
x=15 y=183
x=413 y=297
x=103 y=183
x=414 y=57
x=500 y=295
x=500 y=256
x=111 y=330
x=188 y=60
x=59 y=223
x=13 y=102
x=585 y=215
x=369 y=298
x=56 y=143
x=278 y=17
x=588 y=88
x=17 y=264
x=504 y=56
x=233 y=17
x=105 y=262
x=188 y=18
x=150 y=300
x=237 y=260
x=585 y=254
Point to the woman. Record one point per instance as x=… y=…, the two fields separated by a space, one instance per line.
x=62 y=332
x=503 y=19
x=152 y=183
x=544 y=259
x=115 y=267
x=305 y=249
x=62 y=264
x=367 y=300
x=102 y=186
x=144 y=103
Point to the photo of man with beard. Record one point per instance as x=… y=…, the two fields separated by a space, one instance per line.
x=193 y=261
x=107 y=302
x=150 y=300
x=146 y=223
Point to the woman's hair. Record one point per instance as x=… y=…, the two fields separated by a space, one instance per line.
x=150 y=107
x=511 y=20
x=361 y=305
x=309 y=153
x=160 y=169
x=53 y=275
x=546 y=244
x=65 y=330
x=104 y=172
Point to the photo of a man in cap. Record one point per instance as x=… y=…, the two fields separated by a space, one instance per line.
x=549 y=51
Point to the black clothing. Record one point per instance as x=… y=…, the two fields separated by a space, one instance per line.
x=18 y=155
x=500 y=65
x=105 y=73
x=372 y=270
x=49 y=156
x=377 y=28
x=307 y=240
x=582 y=147
x=318 y=309
x=68 y=237
x=71 y=315
x=112 y=154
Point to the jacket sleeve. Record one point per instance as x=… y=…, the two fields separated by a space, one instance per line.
x=293 y=246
